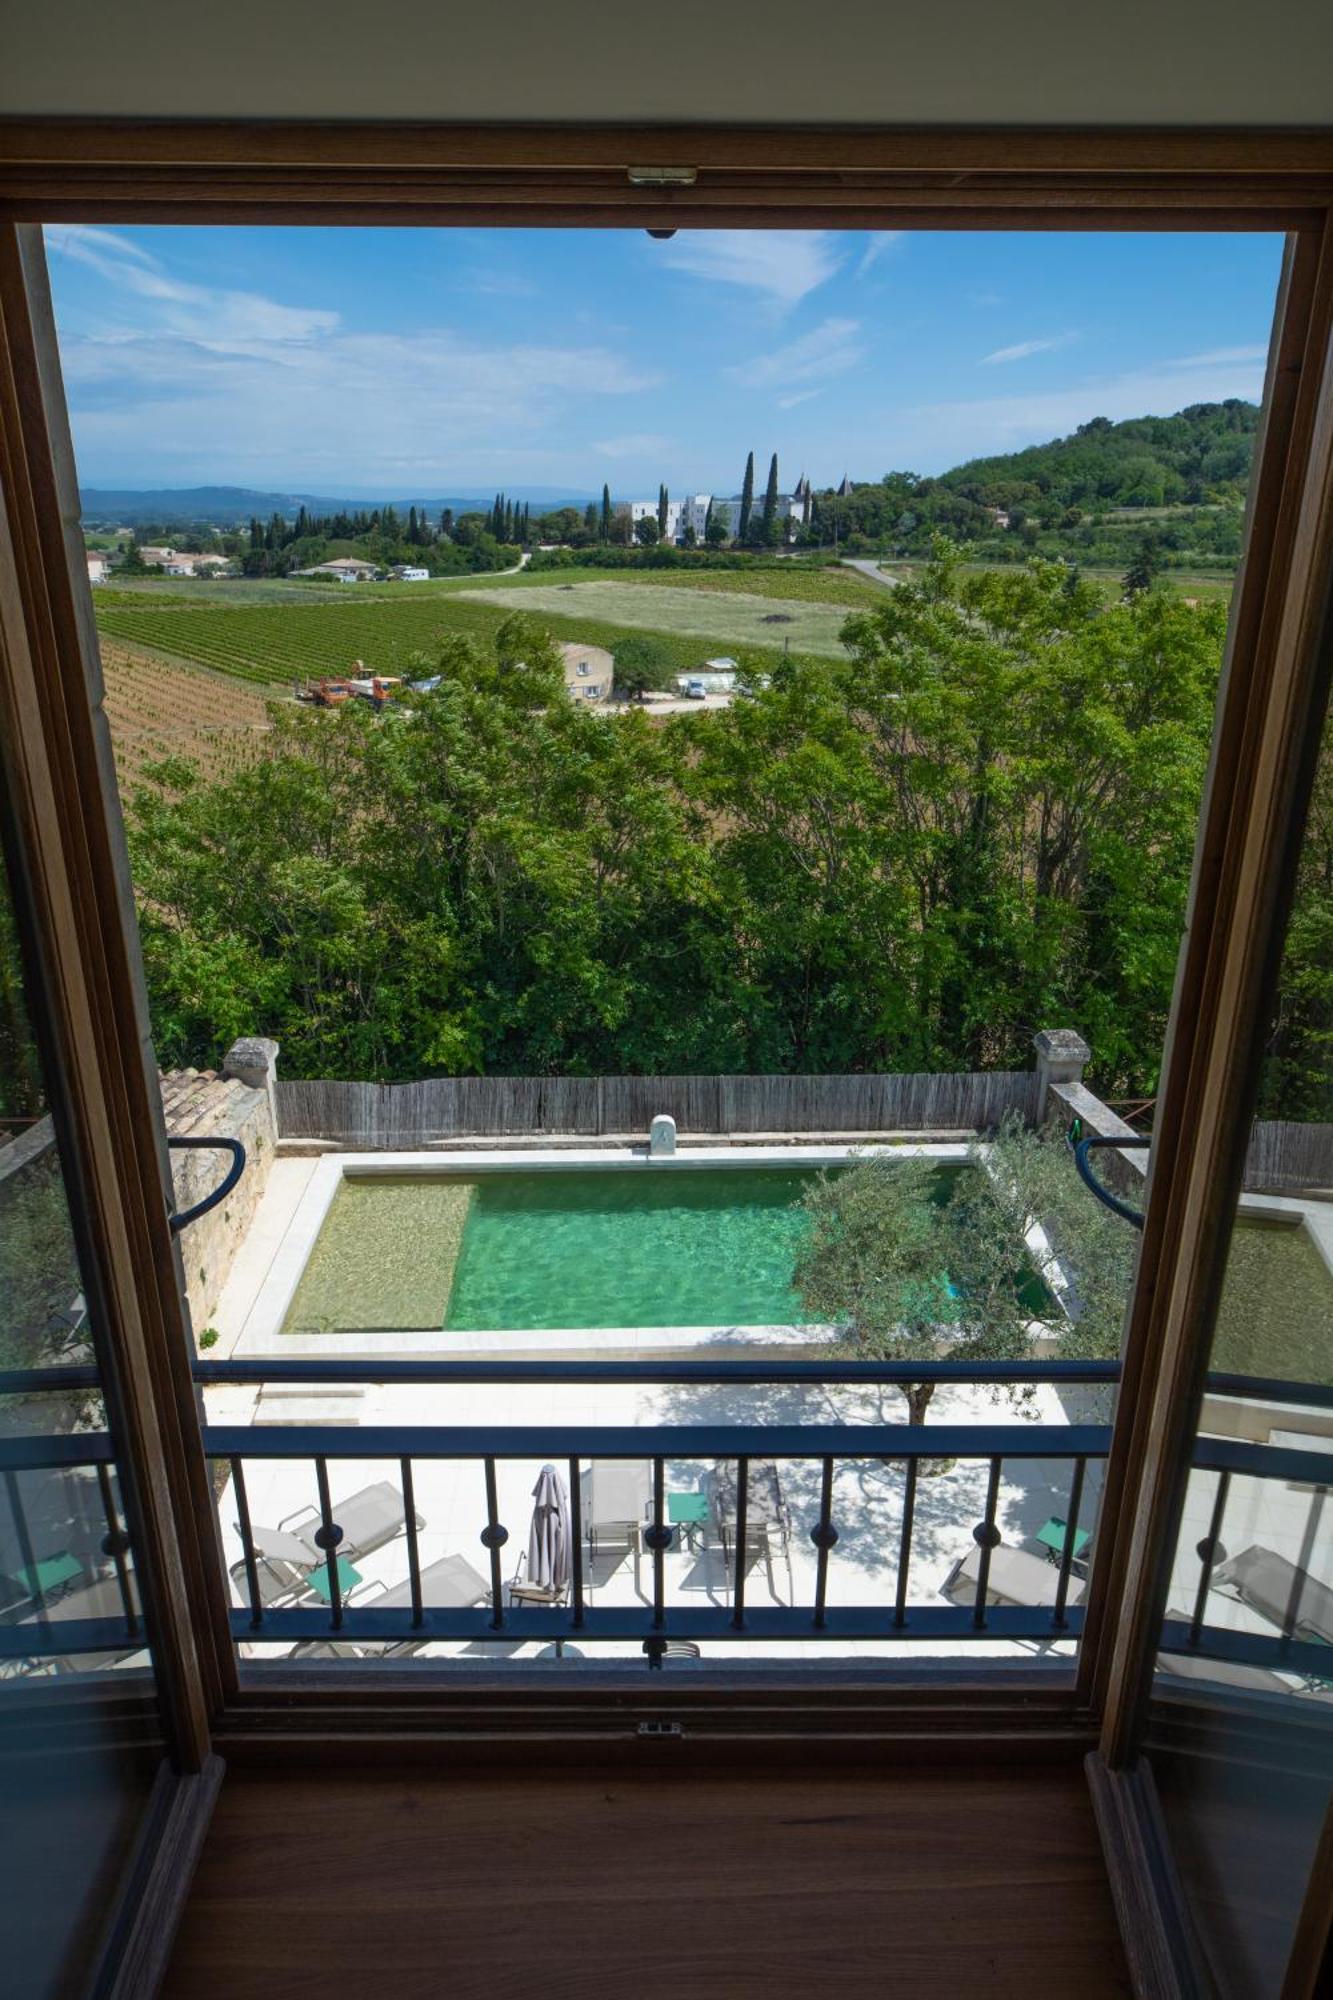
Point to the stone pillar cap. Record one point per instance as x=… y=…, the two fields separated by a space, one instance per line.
x=1061 y=1045
x=251 y=1052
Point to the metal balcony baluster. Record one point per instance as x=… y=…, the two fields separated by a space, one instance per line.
x=327 y=1537
x=1210 y=1553
x=824 y=1536
x=576 y=1536
x=987 y=1537
x=115 y=1543
x=1070 y=1540
x=905 y=1546
x=247 y=1543
x=493 y=1538
x=742 y=1527
x=413 y=1554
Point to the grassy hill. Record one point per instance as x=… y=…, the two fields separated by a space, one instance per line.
x=1199 y=457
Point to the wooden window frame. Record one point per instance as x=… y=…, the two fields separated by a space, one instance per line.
x=1275 y=677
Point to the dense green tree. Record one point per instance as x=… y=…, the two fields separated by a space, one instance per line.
x=646 y=531
x=914 y=1264
x=606 y=513
x=1146 y=567
x=980 y=820
x=768 y=527
x=642 y=662
x=747 y=501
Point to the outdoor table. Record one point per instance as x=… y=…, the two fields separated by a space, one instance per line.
x=688 y=1512
x=1052 y=1539
x=49 y=1574
x=318 y=1579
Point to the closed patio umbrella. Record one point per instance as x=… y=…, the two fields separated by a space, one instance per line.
x=549 y=1535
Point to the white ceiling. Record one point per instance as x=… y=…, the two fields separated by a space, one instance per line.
x=865 y=62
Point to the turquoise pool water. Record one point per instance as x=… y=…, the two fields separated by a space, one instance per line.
x=699 y=1247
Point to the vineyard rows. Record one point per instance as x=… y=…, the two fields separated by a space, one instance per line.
x=275 y=644
x=278 y=644
x=158 y=710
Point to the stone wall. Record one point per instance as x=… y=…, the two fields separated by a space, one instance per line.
x=202 y=1104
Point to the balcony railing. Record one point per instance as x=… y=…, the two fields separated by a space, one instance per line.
x=317 y=1603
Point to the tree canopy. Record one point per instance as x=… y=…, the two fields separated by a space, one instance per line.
x=915 y=1262
x=977 y=823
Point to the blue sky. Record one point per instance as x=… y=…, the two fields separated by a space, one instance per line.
x=399 y=362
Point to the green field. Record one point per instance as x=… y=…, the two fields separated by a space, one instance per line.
x=278 y=643
x=732 y=618
x=794 y=582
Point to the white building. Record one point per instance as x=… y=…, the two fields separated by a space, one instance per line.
x=346 y=569
x=97 y=567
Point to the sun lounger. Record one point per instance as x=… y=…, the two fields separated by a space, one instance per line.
x=368 y=1520
x=451 y=1584
x=279 y=1581
x=98 y=1600
x=1279 y=1591
x=1014 y=1577
x=1222 y=1673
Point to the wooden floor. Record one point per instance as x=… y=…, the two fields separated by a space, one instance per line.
x=917 y=1884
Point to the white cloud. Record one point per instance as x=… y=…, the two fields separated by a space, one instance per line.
x=638 y=444
x=1219 y=357
x=218 y=319
x=783 y=264
x=83 y=241
x=174 y=379
x=805 y=396
x=1023 y=348
x=875 y=249
x=830 y=349
x=940 y=434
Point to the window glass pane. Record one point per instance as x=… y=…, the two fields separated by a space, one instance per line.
x=79 y=1737
x=1250 y=1615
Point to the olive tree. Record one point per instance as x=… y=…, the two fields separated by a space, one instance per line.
x=1008 y=1260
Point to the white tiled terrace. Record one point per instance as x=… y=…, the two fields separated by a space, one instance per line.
x=867 y=1497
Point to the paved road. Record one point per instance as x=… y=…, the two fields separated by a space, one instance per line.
x=869 y=567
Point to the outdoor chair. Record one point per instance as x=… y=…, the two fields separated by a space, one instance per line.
x=615 y=1504
x=368 y=1520
x=1014 y=1577
x=523 y=1592
x=1279 y=1591
x=767 y=1522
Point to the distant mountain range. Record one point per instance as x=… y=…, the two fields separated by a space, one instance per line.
x=224 y=506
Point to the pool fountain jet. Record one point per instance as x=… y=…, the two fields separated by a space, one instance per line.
x=661 y=1137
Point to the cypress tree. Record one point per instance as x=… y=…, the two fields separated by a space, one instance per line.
x=661 y=510
x=413 y=530
x=606 y=513
x=590 y=517
x=447 y=521
x=747 y=500
x=770 y=515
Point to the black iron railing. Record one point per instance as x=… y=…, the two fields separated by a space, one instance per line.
x=738 y=1454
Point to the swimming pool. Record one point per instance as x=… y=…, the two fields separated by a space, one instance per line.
x=585 y=1248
